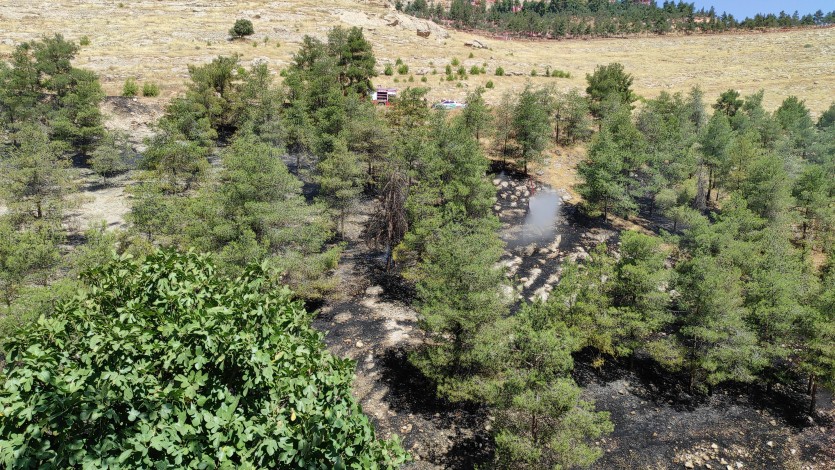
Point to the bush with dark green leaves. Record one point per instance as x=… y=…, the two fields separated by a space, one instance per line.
x=162 y=363
x=242 y=27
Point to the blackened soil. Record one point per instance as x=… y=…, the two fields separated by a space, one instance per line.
x=659 y=424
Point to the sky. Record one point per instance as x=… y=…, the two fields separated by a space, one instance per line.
x=741 y=9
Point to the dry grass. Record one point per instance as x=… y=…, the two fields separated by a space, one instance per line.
x=155 y=40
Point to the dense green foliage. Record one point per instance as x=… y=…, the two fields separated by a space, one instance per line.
x=242 y=27
x=541 y=420
x=40 y=85
x=560 y=19
x=749 y=195
x=161 y=362
x=732 y=288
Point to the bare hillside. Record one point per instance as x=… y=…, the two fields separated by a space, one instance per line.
x=155 y=41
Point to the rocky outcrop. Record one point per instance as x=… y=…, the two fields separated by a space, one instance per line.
x=423 y=28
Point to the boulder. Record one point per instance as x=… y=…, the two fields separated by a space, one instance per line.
x=423 y=28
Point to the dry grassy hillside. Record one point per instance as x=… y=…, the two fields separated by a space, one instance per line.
x=155 y=40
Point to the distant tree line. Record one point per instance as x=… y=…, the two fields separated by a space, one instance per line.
x=560 y=19
x=264 y=179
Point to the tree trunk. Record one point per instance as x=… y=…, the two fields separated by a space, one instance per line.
x=533 y=427
x=813 y=396
x=388 y=258
x=709 y=183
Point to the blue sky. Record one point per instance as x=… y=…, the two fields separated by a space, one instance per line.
x=741 y=9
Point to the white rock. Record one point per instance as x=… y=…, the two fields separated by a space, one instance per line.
x=360 y=344
x=374 y=290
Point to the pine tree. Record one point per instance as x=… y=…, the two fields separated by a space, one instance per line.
x=541 y=420
x=113 y=155
x=720 y=345
x=609 y=81
x=639 y=291
x=340 y=177
x=571 y=122
x=615 y=151
x=531 y=125
x=255 y=213
x=457 y=284
x=476 y=116
x=504 y=131
x=36 y=180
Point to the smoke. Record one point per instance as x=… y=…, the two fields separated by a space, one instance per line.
x=539 y=226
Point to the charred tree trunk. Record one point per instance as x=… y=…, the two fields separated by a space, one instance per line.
x=813 y=395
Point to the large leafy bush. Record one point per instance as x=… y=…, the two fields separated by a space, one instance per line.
x=160 y=363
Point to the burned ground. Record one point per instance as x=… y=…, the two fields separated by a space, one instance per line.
x=658 y=424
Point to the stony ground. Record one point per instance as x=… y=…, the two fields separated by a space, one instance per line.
x=657 y=424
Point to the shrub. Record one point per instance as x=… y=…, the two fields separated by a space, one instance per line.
x=402 y=69
x=448 y=69
x=150 y=89
x=163 y=363
x=450 y=78
x=475 y=70
x=462 y=72
x=489 y=84
x=499 y=71
x=423 y=79
x=471 y=55
x=84 y=41
x=130 y=88
x=533 y=73
x=389 y=70
x=411 y=78
x=455 y=62
x=399 y=61
x=556 y=73
x=242 y=28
